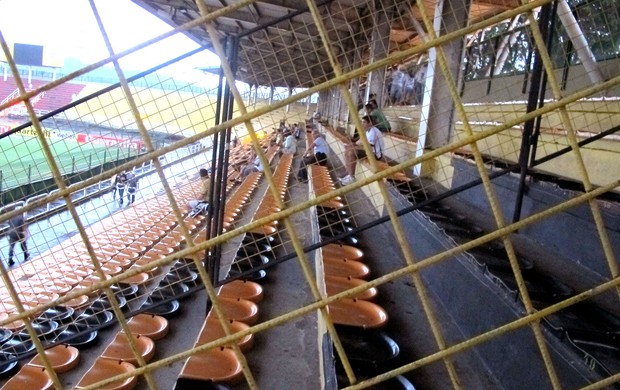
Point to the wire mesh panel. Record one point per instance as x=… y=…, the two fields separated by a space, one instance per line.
x=363 y=194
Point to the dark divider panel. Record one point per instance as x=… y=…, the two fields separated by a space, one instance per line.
x=474 y=305
x=570 y=234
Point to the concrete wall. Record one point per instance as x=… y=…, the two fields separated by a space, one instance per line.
x=502 y=88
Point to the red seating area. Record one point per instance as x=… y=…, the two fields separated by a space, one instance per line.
x=50 y=100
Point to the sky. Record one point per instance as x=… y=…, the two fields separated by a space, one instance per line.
x=67 y=28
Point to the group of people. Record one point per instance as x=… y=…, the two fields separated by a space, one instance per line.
x=125 y=181
x=405 y=88
x=18 y=228
x=318 y=150
x=354 y=149
x=374 y=123
x=286 y=137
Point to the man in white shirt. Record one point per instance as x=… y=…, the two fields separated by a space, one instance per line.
x=316 y=153
x=290 y=143
x=355 y=151
x=316 y=117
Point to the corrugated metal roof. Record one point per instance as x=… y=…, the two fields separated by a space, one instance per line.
x=280 y=43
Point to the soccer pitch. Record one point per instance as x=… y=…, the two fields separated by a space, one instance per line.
x=23 y=161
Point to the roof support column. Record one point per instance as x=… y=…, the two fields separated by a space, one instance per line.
x=288 y=106
x=579 y=42
x=437 y=116
x=309 y=105
x=354 y=89
x=379 y=47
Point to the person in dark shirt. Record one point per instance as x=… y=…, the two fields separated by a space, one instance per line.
x=119 y=185
x=378 y=118
x=18 y=233
x=132 y=187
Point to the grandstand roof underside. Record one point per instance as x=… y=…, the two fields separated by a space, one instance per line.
x=279 y=43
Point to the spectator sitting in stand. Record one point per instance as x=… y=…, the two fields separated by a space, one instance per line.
x=280 y=136
x=255 y=166
x=420 y=79
x=316 y=153
x=378 y=118
x=316 y=117
x=205 y=189
x=290 y=143
x=355 y=151
x=296 y=131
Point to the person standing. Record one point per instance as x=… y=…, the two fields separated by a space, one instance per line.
x=132 y=188
x=420 y=79
x=18 y=233
x=119 y=186
x=408 y=97
x=397 y=86
x=316 y=117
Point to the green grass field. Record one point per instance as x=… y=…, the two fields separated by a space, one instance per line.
x=22 y=159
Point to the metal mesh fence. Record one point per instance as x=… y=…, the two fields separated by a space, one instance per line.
x=431 y=192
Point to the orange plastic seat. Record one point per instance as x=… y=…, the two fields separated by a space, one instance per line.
x=338 y=284
x=344 y=267
x=245 y=289
x=216 y=365
x=119 y=262
x=137 y=279
x=119 y=349
x=126 y=254
x=77 y=302
x=62 y=358
x=152 y=326
x=136 y=247
x=357 y=312
x=105 y=368
x=332 y=204
x=343 y=251
x=29 y=377
x=239 y=309
x=264 y=230
x=212 y=330
x=173 y=242
x=143 y=241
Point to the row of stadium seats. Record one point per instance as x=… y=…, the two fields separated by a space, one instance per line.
x=359 y=321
